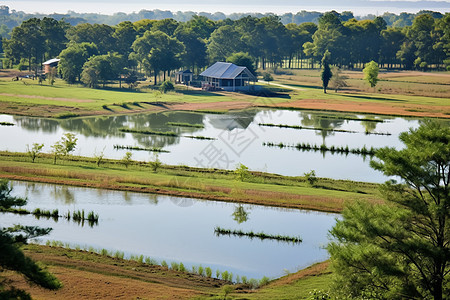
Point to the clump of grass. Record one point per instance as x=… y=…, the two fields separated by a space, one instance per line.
x=323 y=148
x=199 y=137
x=66 y=115
x=150 y=132
x=92 y=216
x=306 y=128
x=6 y=124
x=164 y=264
x=119 y=254
x=185 y=125
x=321 y=129
x=140 y=148
x=261 y=235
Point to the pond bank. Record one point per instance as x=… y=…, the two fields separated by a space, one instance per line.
x=211 y=184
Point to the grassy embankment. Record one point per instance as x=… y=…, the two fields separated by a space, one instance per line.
x=106 y=277
x=260 y=188
x=398 y=93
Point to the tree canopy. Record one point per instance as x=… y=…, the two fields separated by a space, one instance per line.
x=400 y=249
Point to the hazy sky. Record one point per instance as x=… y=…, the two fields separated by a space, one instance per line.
x=359 y=7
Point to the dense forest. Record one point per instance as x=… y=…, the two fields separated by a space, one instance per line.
x=104 y=52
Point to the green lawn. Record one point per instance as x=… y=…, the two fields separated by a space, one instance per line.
x=45 y=100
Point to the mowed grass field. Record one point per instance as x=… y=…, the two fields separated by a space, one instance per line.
x=401 y=93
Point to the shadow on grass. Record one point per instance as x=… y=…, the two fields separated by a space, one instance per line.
x=375 y=98
x=197 y=93
x=107 y=108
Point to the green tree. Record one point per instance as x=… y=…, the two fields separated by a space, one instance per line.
x=326 y=74
x=242 y=173
x=125 y=35
x=73 y=58
x=329 y=36
x=34 y=151
x=99 y=34
x=400 y=249
x=126 y=159
x=195 y=54
x=224 y=41
x=57 y=151
x=168 y=26
x=244 y=60
x=68 y=142
x=27 y=41
x=101 y=68
x=371 y=73
x=12 y=257
x=157 y=52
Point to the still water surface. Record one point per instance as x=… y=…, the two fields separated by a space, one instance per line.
x=238 y=139
x=179 y=229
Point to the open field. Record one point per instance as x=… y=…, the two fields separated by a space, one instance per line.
x=398 y=93
x=104 y=277
x=212 y=184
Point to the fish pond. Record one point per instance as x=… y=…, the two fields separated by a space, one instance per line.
x=179 y=229
x=224 y=140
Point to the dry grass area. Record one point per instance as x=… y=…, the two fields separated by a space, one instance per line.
x=412 y=83
x=87 y=275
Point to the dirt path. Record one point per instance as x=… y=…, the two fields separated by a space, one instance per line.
x=282 y=85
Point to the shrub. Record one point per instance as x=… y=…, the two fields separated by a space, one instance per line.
x=267 y=76
x=311 y=177
x=208 y=271
x=166 y=86
x=242 y=172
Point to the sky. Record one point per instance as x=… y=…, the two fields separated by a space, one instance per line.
x=358 y=7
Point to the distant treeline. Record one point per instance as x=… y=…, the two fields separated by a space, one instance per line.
x=97 y=53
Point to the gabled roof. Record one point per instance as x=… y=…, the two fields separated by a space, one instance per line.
x=51 y=61
x=224 y=70
x=185 y=72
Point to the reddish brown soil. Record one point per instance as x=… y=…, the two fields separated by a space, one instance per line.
x=368 y=107
x=96 y=277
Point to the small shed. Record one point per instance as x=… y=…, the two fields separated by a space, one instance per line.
x=228 y=77
x=184 y=77
x=52 y=63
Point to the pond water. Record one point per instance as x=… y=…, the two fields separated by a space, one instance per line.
x=179 y=229
x=238 y=139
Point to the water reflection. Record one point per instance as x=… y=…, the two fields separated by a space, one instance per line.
x=181 y=229
x=238 y=137
x=240 y=215
x=37 y=124
x=62 y=193
x=317 y=121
